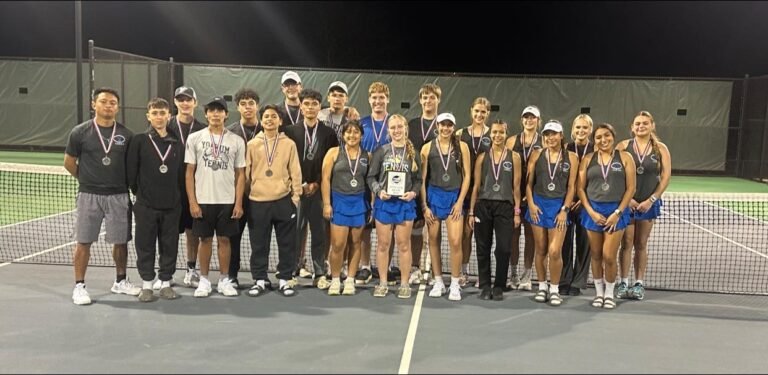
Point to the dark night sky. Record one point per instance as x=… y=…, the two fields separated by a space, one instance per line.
x=683 y=39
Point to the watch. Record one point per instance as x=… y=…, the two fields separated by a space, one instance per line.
x=617 y=212
x=565 y=208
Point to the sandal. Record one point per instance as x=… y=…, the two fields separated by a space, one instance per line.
x=256 y=290
x=555 y=299
x=287 y=290
x=597 y=302
x=609 y=303
x=541 y=296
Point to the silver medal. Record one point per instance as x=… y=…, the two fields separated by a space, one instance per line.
x=551 y=186
x=446 y=177
x=163 y=168
x=496 y=187
x=640 y=170
x=605 y=186
x=353 y=182
x=310 y=155
x=215 y=166
x=106 y=160
x=268 y=173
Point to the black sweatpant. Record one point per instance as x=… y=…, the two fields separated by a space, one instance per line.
x=312 y=213
x=161 y=227
x=280 y=214
x=234 y=260
x=494 y=216
x=575 y=266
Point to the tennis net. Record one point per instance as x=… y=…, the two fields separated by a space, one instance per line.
x=702 y=242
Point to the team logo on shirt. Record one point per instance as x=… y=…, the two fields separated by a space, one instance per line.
x=364 y=161
x=119 y=140
x=485 y=141
x=653 y=158
x=566 y=167
x=507 y=165
x=616 y=166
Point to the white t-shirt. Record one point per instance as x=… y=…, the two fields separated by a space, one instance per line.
x=215 y=172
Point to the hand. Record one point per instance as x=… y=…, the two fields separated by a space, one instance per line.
x=534 y=211
x=310 y=189
x=408 y=196
x=597 y=218
x=471 y=221
x=517 y=221
x=644 y=207
x=327 y=211
x=195 y=211
x=353 y=114
x=237 y=212
x=633 y=205
x=429 y=217
x=561 y=221
x=456 y=211
x=383 y=195
x=610 y=222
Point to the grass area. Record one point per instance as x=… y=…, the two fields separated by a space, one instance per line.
x=39 y=158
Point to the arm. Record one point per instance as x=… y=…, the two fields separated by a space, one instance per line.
x=294 y=168
x=70 y=164
x=194 y=208
x=475 y=189
x=237 y=212
x=533 y=209
x=428 y=216
x=664 y=178
x=330 y=159
x=562 y=216
x=373 y=176
x=517 y=163
x=581 y=186
x=511 y=142
x=132 y=165
x=416 y=180
x=72 y=153
x=466 y=179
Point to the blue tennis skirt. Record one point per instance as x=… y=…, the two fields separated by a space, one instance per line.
x=550 y=207
x=394 y=210
x=441 y=201
x=605 y=209
x=652 y=213
x=349 y=210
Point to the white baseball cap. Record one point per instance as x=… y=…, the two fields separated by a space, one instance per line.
x=553 y=125
x=340 y=85
x=532 y=109
x=446 y=116
x=290 y=75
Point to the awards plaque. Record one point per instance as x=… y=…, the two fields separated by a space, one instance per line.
x=396 y=183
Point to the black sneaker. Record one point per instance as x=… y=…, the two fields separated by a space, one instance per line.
x=485 y=294
x=235 y=283
x=363 y=276
x=393 y=275
x=497 y=294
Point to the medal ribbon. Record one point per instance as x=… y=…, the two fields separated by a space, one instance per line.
x=111 y=137
x=349 y=161
x=214 y=147
x=440 y=154
x=383 y=125
x=270 y=155
x=530 y=148
x=310 y=140
x=605 y=169
x=424 y=134
x=496 y=167
x=641 y=157
x=551 y=171
x=167 y=151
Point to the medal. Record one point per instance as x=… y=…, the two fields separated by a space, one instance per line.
x=216 y=148
x=376 y=136
x=245 y=134
x=552 y=171
x=163 y=168
x=447 y=160
x=640 y=156
x=270 y=155
x=310 y=142
x=496 y=168
x=353 y=171
x=215 y=166
x=106 y=160
x=605 y=170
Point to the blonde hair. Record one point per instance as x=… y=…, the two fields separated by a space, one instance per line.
x=483 y=101
x=430 y=88
x=654 y=138
x=378 y=87
x=584 y=117
x=409 y=148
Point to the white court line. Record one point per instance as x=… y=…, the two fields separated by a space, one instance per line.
x=736 y=213
x=47 y=250
x=405 y=360
x=719 y=236
x=32 y=220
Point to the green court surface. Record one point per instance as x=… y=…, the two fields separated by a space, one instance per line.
x=39 y=158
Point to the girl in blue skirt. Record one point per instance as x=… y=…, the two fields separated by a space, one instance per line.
x=550 y=190
x=446 y=170
x=606 y=184
x=394 y=178
x=654 y=169
x=345 y=203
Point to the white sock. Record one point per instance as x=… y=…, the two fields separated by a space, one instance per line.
x=439 y=279
x=543 y=286
x=146 y=285
x=223 y=276
x=609 y=289
x=366 y=267
x=165 y=284
x=625 y=280
x=464 y=268
x=600 y=287
x=454 y=281
x=527 y=274
x=204 y=277
x=640 y=281
x=282 y=282
x=554 y=288
x=337 y=279
x=260 y=283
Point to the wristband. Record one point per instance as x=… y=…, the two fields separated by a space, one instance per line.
x=565 y=208
x=617 y=212
x=653 y=198
x=517 y=212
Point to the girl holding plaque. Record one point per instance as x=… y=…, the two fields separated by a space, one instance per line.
x=343 y=183
x=446 y=172
x=606 y=184
x=496 y=193
x=394 y=179
x=524 y=143
x=550 y=191
x=654 y=169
